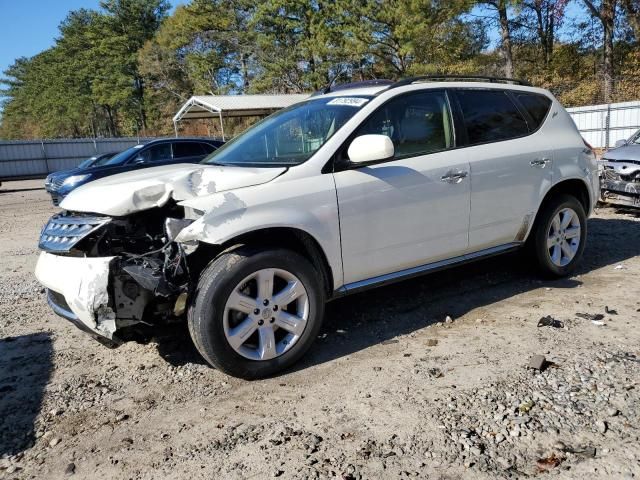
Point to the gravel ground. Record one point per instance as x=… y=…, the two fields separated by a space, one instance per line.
x=428 y=379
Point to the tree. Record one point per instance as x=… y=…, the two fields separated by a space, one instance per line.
x=118 y=36
x=204 y=47
x=632 y=10
x=547 y=16
x=88 y=83
x=502 y=9
x=301 y=44
x=408 y=37
x=605 y=12
x=126 y=67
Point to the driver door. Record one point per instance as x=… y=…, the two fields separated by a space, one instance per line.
x=413 y=209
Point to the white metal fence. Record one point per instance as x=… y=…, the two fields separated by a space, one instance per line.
x=37 y=158
x=603 y=125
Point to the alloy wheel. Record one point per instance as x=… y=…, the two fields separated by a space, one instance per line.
x=563 y=237
x=266 y=314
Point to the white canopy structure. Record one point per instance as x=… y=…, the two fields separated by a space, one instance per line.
x=221 y=106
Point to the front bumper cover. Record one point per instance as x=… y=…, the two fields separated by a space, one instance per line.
x=78 y=291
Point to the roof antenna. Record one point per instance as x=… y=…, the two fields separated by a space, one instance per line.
x=327 y=89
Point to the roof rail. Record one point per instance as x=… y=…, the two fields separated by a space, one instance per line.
x=347 y=86
x=458 y=78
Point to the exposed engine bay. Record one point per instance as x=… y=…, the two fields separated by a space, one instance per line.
x=148 y=273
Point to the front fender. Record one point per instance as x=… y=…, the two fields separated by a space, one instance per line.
x=306 y=204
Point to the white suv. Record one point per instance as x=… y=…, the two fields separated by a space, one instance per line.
x=356 y=187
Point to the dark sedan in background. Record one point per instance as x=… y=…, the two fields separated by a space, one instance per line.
x=157 y=152
x=96 y=160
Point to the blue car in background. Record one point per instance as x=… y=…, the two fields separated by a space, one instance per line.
x=96 y=160
x=157 y=152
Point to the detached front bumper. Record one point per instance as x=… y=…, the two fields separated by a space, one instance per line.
x=78 y=291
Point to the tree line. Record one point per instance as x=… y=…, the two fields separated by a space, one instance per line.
x=126 y=68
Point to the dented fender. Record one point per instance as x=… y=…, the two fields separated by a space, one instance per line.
x=305 y=204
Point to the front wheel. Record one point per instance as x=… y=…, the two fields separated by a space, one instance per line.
x=256 y=312
x=559 y=236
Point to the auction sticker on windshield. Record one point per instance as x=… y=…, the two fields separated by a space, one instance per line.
x=350 y=101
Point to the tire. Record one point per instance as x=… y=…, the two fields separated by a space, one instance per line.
x=213 y=322
x=547 y=240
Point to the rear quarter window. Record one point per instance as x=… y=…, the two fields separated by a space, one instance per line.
x=208 y=148
x=537 y=106
x=490 y=116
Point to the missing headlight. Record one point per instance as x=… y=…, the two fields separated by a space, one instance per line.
x=173 y=226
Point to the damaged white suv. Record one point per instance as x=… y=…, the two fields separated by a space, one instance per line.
x=356 y=187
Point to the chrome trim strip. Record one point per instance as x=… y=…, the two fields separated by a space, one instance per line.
x=429 y=267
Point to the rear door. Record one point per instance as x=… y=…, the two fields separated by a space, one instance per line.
x=413 y=209
x=510 y=165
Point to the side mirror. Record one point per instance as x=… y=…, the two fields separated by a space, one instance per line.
x=139 y=159
x=620 y=143
x=370 y=148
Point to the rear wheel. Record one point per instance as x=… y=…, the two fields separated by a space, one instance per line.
x=559 y=235
x=256 y=312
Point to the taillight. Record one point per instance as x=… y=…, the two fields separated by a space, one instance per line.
x=589 y=150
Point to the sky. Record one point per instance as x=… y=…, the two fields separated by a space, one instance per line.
x=28 y=27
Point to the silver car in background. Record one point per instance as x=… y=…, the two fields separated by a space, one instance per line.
x=620 y=173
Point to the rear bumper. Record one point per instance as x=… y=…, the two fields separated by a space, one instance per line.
x=78 y=291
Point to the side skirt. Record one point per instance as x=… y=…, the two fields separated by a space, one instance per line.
x=401 y=275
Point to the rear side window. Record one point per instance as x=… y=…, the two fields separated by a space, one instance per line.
x=208 y=148
x=187 y=149
x=490 y=116
x=156 y=153
x=537 y=106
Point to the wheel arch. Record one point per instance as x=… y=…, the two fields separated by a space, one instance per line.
x=575 y=187
x=291 y=238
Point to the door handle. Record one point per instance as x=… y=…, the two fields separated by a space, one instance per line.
x=539 y=162
x=453 y=176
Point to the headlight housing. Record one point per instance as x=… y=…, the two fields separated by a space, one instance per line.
x=73 y=179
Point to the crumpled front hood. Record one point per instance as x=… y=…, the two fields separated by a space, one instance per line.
x=130 y=192
x=627 y=152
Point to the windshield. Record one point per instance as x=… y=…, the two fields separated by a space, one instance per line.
x=288 y=137
x=122 y=156
x=88 y=162
x=103 y=159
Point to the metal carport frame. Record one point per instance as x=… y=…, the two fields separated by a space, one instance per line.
x=221 y=106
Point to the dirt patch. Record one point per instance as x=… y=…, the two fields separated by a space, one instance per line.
x=391 y=389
